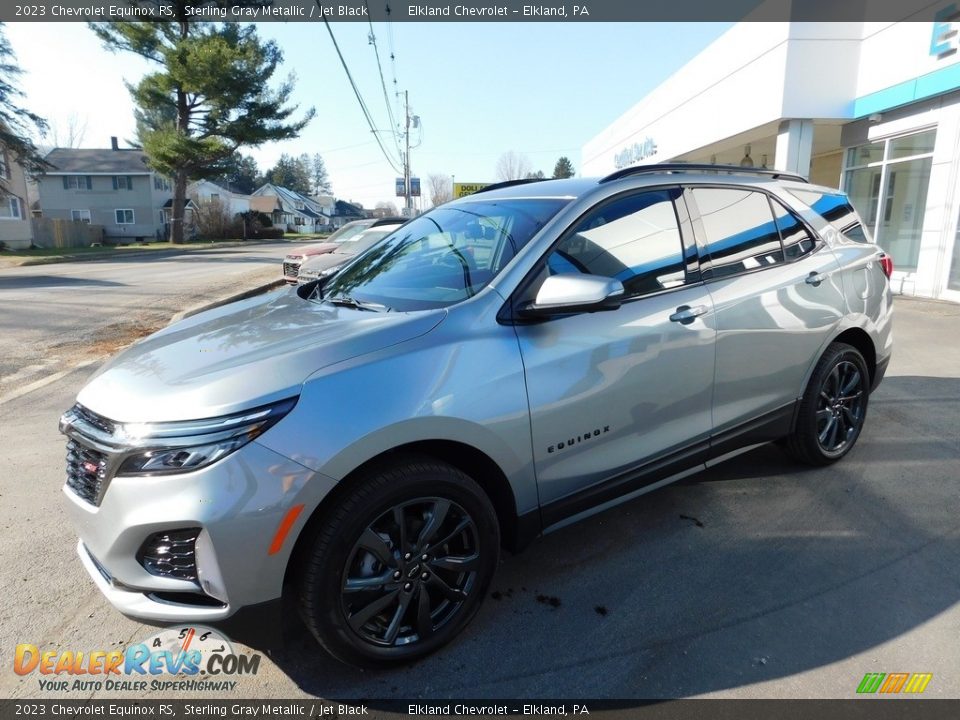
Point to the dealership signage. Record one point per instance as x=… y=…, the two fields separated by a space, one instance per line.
x=946 y=32
x=463 y=189
x=414 y=187
x=635 y=153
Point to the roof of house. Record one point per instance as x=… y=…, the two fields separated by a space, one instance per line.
x=188 y=203
x=264 y=203
x=85 y=160
x=292 y=198
x=345 y=208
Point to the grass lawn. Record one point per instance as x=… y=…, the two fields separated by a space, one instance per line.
x=42 y=256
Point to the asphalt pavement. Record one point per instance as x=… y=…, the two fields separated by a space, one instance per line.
x=54 y=316
x=757 y=579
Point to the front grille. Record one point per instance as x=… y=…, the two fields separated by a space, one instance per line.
x=86 y=471
x=171 y=554
x=291 y=268
x=98 y=421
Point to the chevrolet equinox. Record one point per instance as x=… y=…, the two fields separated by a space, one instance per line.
x=497 y=368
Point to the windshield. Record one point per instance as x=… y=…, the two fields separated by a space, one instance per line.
x=443 y=257
x=349 y=230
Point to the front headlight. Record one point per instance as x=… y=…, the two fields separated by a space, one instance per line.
x=176 y=447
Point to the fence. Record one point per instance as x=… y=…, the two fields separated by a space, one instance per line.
x=56 y=233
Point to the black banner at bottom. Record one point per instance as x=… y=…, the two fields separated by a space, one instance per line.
x=864 y=708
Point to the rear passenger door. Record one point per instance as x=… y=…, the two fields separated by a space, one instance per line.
x=777 y=296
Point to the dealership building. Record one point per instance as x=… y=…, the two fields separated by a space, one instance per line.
x=869 y=107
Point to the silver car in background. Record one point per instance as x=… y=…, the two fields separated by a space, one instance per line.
x=499 y=367
x=325 y=265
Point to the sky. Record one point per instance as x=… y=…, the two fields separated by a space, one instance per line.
x=480 y=89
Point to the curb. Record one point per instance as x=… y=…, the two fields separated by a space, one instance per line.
x=227 y=299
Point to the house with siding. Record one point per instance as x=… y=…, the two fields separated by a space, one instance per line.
x=207 y=191
x=291 y=211
x=111 y=187
x=15 y=227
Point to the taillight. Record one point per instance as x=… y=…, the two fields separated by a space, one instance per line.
x=886 y=262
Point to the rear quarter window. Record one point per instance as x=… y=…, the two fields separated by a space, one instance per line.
x=836 y=209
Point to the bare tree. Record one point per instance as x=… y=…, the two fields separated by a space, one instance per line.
x=441 y=189
x=70 y=133
x=385 y=208
x=513 y=166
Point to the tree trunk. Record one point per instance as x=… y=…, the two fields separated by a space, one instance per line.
x=179 y=200
x=180 y=176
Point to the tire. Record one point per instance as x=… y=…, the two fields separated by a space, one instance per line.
x=833 y=408
x=365 y=590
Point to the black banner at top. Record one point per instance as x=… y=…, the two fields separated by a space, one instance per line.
x=559 y=11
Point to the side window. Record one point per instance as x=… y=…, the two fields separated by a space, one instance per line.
x=741 y=234
x=797 y=241
x=856 y=233
x=635 y=239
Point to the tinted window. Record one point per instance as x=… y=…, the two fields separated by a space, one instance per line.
x=635 y=240
x=445 y=256
x=797 y=240
x=856 y=233
x=835 y=208
x=740 y=231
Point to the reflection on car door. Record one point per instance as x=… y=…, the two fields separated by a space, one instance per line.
x=612 y=391
x=777 y=296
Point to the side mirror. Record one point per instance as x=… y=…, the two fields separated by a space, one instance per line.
x=574 y=293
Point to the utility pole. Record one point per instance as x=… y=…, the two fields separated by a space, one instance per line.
x=406 y=159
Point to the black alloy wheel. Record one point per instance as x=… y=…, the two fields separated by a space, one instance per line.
x=410 y=571
x=833 y=407
x=399 y=561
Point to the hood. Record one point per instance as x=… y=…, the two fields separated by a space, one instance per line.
x=239 y=356
x=322 y=262
x=318 y=249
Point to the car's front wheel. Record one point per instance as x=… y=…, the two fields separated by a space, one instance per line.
x=400 y=563
x=833 y=407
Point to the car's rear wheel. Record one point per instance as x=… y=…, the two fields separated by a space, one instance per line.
x=833 y=407
x=400 y=563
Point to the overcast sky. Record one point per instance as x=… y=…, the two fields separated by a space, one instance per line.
x=481 y=89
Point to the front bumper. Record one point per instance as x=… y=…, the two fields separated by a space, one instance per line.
x=239 y=503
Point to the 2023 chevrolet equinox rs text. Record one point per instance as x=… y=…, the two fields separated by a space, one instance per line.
x=496 y=368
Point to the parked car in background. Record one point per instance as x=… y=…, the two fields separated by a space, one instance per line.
x=326 y=265
x=497 y=368
x=293 y=260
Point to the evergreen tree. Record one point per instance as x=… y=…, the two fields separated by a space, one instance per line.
x=321 y=181
x=208 y=97
x=17 y=124
x=563 y=168
x=291 y=173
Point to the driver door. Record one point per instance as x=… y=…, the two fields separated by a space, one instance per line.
x=620 y=399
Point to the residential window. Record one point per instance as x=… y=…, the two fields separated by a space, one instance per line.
x=887 y=183
x=214 y=197
x=160 y=183
x=80 y=216
x=4 y=164
x=77 y=182
x=741 y=234
x=11 y=209
x=122 y=182
x=635 y=239
x=124 y=217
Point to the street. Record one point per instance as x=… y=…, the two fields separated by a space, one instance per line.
x=53 y=315
x=757 y=579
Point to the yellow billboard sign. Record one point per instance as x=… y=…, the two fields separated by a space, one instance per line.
x=463 y=189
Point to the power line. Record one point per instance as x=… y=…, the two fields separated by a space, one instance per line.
x=356 y=91
x=383 y=83
x=393 y=57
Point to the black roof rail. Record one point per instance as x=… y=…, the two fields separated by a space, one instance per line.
x=699 y=167
x=507 y=183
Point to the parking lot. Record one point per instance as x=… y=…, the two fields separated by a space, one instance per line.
x=757 y=579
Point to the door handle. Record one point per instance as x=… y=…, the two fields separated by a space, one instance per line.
x=815 y=279
x=686 y=314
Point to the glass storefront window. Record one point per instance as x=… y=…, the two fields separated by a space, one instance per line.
x=891 y=194
x=865 y=154
x=953 y=281
x=910 y=145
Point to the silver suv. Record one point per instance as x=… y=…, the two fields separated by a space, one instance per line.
x=499 y=367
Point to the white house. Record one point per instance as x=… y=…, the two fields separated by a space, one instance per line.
x=205 y=191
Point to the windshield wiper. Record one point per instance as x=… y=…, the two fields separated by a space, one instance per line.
x=345 y=301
